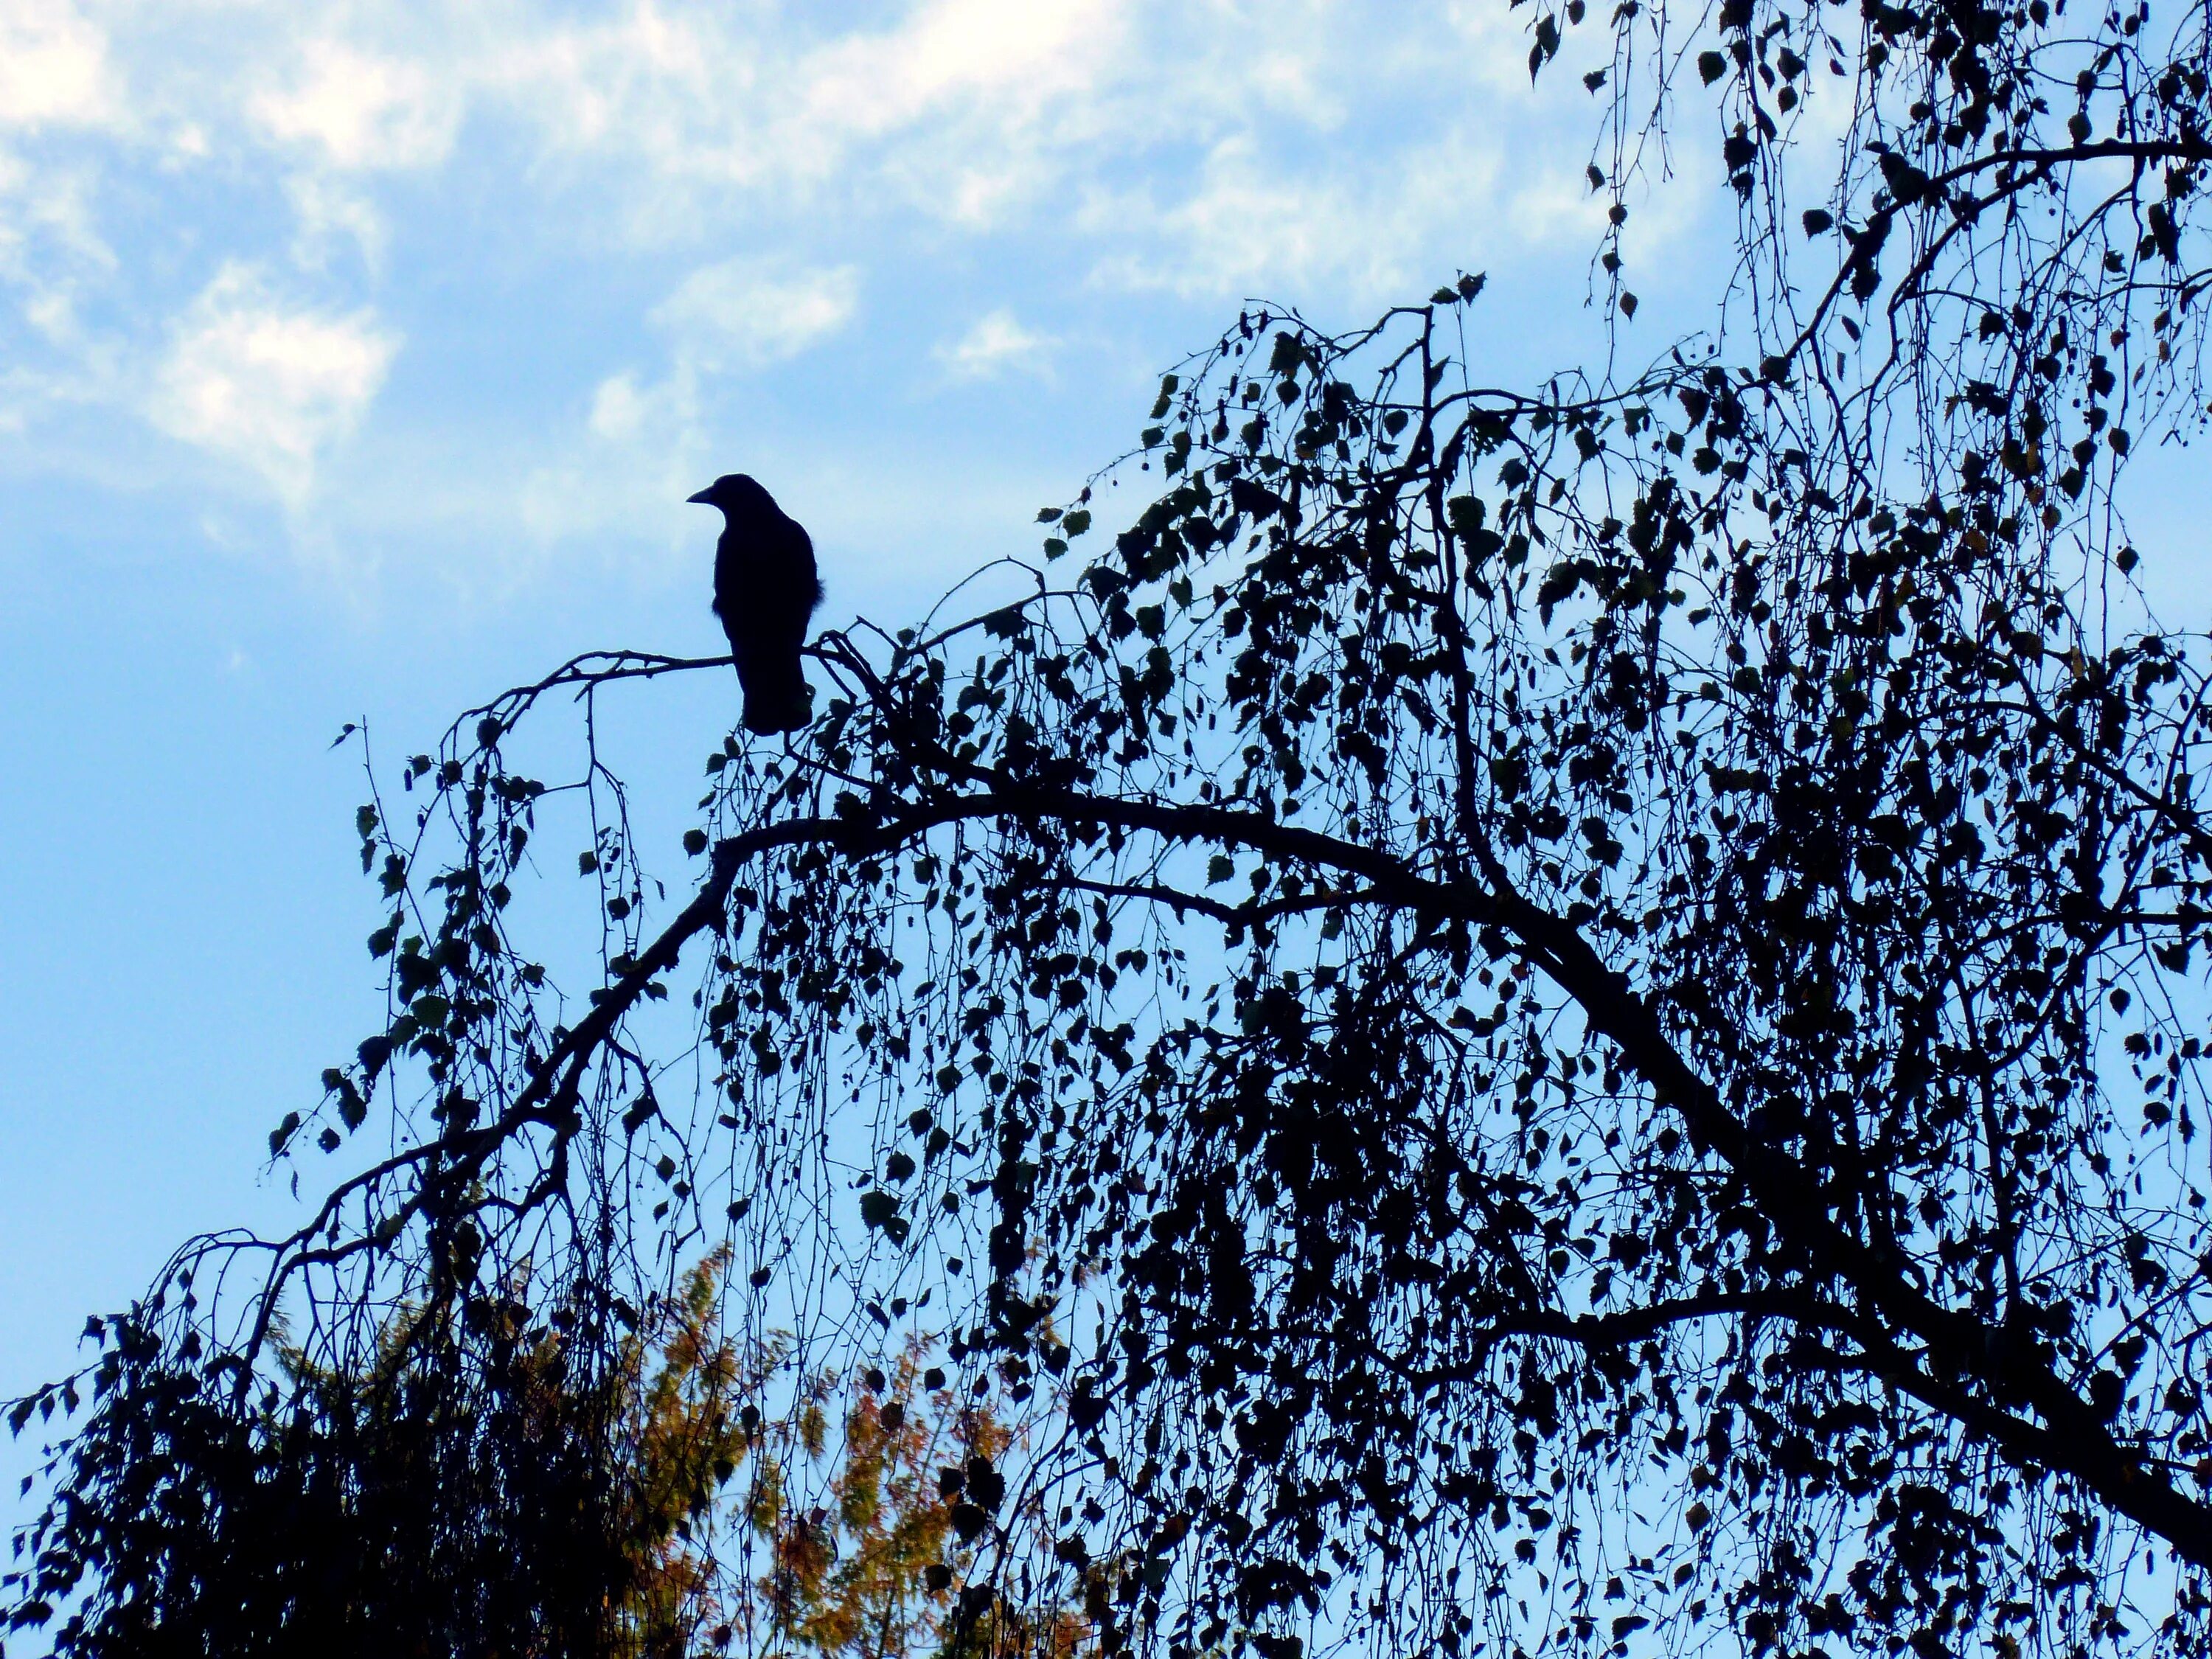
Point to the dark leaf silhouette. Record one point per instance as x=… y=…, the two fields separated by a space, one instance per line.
x=1552 y=1018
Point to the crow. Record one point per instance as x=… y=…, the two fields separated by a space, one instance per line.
x=765 y=589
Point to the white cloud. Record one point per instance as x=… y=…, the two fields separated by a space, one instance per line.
x=270 y=384
x=1229 y=144
x=953 y=107
x=641 y=458
x=741 y=315
x=998 y=343
x=54 y=71
x=329 y=214
x=619 y=409
x=1012 y=58
x=521 y=169
x=1242 y=225
x=747 y=314
x=364 y=109
x=46 y=223
x=53 y=66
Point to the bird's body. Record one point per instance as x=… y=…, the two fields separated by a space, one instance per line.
x=766 y=587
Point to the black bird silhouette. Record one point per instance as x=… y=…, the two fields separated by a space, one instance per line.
x=765 y=589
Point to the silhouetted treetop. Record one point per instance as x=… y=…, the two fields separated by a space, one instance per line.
x=1485 y=1015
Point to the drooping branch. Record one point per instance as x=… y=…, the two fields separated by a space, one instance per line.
x=2071 y=1438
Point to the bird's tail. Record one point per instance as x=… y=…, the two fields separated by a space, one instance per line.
x=782 y=704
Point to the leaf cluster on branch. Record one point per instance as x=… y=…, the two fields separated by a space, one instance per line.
x=1564 y=1015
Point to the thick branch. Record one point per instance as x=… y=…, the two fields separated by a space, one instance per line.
x=2072 y=1441
x=2075 y=1440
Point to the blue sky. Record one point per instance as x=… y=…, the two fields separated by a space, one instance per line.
x=356 y=360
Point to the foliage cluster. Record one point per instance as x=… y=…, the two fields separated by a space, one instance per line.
x=1560 y=1016
x=383 y=1511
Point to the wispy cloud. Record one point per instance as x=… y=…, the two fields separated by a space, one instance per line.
x=268 y=384
x=239 y=192
x=997 y=343
x=330 y=215
x=363 y=110
x=679 y=116
x=749 y=313
x=738 y=317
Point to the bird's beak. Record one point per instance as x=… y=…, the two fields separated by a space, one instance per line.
x=704 y=497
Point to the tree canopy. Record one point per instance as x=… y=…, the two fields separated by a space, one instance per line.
x=1563 y=1017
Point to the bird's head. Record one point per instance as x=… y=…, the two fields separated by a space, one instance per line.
x=735 y=492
